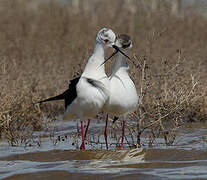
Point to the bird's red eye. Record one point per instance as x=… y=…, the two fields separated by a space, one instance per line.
x=106 y=40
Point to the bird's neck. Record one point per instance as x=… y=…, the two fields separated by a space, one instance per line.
x=99 y=50
x=120 y=65
x=94 y=68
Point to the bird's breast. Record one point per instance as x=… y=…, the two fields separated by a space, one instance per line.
x=123 y=96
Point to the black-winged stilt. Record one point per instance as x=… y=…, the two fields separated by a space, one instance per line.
x=123 y=97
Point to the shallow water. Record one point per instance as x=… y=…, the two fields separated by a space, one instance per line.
x=187 y=159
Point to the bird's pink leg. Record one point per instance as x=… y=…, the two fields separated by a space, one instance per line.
x=122 y=139
x=105 y=132
x=83 y=147
x=85 y=132
x=87 y=127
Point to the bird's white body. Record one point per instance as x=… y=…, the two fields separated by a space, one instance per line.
x=88 y=103
x=88 y=93
x=91 y=96
x=123 y=97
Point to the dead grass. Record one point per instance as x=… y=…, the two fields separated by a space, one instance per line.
x=41 y=50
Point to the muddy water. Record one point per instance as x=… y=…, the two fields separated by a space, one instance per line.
x=186 y=159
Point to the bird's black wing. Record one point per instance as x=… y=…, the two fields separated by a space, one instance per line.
x=68 y=96
x=55 y=98
x=72 y=94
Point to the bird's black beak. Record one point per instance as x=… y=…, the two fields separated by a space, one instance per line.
x=118 y=50
x=114 y=53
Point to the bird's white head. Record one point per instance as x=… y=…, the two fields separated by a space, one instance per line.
x=106 y=37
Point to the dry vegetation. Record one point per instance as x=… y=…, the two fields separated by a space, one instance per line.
x=40 y=51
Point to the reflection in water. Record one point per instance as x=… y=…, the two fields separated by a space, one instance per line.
x=186 y=160
x=94 y=162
